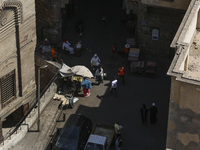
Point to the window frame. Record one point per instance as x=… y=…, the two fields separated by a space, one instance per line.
x=6 y=102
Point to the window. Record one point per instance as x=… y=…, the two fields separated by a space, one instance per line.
x=7 y=88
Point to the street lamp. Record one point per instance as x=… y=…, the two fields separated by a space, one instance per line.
x=38 y=123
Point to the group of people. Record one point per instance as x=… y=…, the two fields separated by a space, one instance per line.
x=97 y=68
x=66 y=46
x=98 y=71
x=153 y=113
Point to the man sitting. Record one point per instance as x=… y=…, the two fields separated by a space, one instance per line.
x=67 y=46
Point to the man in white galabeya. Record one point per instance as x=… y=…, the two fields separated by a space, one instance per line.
x=113 y=88
x=95 y=62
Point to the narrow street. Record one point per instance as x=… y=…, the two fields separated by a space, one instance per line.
x=138 y=89
x=101 y=106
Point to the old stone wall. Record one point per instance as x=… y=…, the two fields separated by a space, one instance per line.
x=184 y=116
x=48 y=14
x=156 y=27
x=18 y=41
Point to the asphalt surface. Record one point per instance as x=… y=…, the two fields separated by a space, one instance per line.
x=102 y=106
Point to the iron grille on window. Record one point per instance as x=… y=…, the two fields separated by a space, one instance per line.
x=7 y=85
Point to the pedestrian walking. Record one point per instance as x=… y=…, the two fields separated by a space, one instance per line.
x=99 y=75
x=86 y=84
x=113 y=88
x=144 y=112
x=117 y=128
x=118 y=143
x=153 y=113
x=121 y=73
x=95 y=62
x=113 y=50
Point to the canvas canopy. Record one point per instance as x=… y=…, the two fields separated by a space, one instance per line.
x=80 y=70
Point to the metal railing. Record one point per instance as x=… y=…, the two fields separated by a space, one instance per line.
x=52 y=137
x=23 y=120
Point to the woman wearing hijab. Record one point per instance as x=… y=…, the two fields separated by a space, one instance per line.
x=86 y=84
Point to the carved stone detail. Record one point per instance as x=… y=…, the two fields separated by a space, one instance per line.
x=6 y=15
x=6 y=60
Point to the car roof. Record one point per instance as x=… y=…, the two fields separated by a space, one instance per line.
x=68 y=136
x=72 y=132
x=97 y=139
x=76 y=120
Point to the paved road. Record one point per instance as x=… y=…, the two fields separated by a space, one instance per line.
x=103 y=107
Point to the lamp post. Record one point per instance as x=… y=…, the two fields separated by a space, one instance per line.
x=38 y=123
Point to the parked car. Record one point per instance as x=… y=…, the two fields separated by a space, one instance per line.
x=101 y=138
x=74 y=134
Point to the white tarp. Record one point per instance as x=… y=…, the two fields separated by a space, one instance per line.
x=80 y=70
x=66 y=71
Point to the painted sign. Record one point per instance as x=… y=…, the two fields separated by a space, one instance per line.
x=155 y=34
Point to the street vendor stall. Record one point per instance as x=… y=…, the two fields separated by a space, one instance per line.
x=70 y=82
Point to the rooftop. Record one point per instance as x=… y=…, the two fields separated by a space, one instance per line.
x=186 y=63
x=194 y=58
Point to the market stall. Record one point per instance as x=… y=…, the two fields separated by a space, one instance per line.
x=70 y=82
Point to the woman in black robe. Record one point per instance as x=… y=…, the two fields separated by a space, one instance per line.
x=153 y=113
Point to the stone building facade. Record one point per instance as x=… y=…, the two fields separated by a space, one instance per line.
x=49 y=18
x=184 y=106
x=17 y=64
x=156 y=24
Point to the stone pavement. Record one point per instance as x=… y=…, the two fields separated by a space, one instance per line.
x=101 y=106
x=35 y=140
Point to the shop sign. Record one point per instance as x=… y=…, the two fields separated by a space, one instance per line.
x=155 y=34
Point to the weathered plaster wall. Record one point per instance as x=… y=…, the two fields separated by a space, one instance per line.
x=184 y=116
x=18 y=41
x=190 y=97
